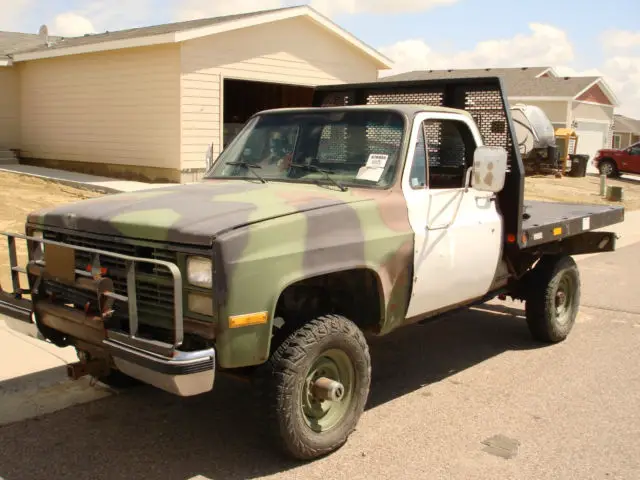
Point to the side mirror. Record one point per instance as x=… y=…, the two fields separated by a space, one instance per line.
x=489 y=168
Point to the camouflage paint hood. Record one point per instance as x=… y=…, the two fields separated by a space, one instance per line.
x=190 y=214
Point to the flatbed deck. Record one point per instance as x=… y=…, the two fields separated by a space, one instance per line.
x=546 y=222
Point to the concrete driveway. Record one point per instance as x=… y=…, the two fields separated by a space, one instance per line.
x=471 y=397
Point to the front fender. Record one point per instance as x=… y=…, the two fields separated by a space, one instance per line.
x=262 y=260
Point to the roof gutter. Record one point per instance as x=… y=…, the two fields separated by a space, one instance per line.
x=96 y=47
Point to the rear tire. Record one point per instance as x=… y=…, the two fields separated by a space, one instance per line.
x=553 y=298
x=300 y=424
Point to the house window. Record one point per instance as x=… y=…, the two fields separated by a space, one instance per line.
x=617 y=140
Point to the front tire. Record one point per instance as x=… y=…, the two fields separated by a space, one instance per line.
x=608 y=168
x=553 y=298
x=301 y=420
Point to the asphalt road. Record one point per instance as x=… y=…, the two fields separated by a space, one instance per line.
x=569 y=411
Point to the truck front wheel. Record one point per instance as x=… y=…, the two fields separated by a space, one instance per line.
x=553 y=298
x=314 y=387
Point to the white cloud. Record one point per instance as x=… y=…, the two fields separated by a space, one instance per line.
x=620 y=39
x=194 y=9
x=12 y=14
x=544 y=45
x=332 y=7
x=103 y=15
x=71 y=24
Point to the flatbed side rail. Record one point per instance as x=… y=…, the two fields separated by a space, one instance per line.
x=60 y=257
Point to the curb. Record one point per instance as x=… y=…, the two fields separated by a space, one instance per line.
x=70 y=183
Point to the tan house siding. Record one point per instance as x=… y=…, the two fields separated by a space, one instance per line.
x=9 y=107
x=294 y=51
x=592 y=112
x=200 y=112
x=556 y=111
x=119 y=108
x=625 y=139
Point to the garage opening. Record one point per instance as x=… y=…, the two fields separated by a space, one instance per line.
x=243 y=98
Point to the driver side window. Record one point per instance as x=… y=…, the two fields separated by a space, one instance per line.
x=634 y=149
x=443 y=153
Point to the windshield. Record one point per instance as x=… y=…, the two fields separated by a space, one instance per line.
x=358 y=147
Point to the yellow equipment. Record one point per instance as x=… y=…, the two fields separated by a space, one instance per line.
x=567 y=144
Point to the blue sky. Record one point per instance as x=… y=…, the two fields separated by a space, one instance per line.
x=580 y=37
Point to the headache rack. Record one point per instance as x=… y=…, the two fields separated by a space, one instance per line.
x=485 y=100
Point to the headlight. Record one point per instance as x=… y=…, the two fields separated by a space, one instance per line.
x=199 y=272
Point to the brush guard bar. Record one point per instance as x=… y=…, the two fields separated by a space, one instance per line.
x=61 y=258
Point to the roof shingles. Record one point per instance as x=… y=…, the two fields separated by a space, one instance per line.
x=141 y=32
x=625 y=124
x=518 y=82
x=12 y=42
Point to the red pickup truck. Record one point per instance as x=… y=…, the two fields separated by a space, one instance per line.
x=613 y=162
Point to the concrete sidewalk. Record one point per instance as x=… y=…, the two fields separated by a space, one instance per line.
x=81 y=180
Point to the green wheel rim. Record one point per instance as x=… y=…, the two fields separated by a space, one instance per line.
x=564 y=299
x=323 y=415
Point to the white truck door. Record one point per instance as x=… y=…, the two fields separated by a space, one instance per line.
x=458 y=230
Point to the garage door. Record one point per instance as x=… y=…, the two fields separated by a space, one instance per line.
x=591 y=138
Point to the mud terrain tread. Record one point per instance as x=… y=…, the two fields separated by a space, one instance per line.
x=276 y=384
x=541 y=297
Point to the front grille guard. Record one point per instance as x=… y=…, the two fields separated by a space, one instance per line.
x=15 y=303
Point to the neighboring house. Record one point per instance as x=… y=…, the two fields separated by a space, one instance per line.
x=583 y=103
x=148 y=102
x=626 y=131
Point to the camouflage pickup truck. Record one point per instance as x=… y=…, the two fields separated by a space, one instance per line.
x=378 y=206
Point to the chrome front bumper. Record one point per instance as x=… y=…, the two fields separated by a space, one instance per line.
x=186 y=374
x=163 y=365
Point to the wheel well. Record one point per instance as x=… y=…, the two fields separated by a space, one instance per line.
x=608 y=159
x=353 y=293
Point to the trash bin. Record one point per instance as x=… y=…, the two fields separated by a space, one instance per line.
x=578 y=165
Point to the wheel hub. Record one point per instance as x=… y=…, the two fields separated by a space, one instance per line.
x=328 y=390
x=564 y=299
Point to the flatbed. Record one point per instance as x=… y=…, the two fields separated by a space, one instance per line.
x=545 y=222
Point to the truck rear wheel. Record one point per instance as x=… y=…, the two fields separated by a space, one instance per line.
x=314 y=387
x=553 y=298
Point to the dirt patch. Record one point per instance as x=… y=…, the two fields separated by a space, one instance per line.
x=20 y=195
x=581 y=190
